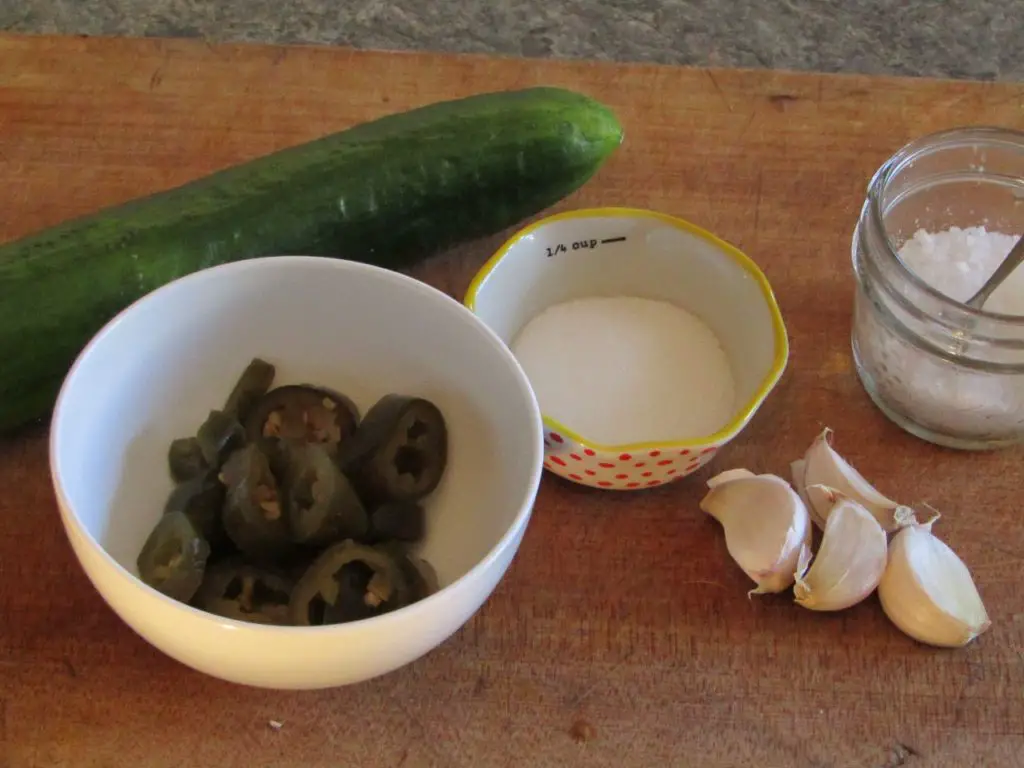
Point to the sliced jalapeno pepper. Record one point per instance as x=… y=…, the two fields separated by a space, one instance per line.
x=218 y=436
x=222 y=431
x=348 y=582
x=253 y=513
x=174 y=557
x=322 y=506
x=201 y=499
x=399 y=451
x=185 y=459
x=398 y=521
x=303 y=413
x=235 y=590
x=252 y=385
x=420 y=575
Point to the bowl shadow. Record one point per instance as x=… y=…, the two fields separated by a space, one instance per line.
x=136 y=504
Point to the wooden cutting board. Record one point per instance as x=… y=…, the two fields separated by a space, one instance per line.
x=622 y=635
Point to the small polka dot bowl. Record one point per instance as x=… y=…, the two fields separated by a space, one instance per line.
x=651 y=255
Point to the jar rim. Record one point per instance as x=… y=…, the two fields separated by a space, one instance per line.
x=907 y=154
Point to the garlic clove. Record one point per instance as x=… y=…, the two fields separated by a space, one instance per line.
x=798 y=470
x=729 y=474
x=823 y=466
x=850 y=561
x=928 y=592
x=765 y=523
x=902 y=516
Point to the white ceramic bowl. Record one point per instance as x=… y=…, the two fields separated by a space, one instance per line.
x=155 y=371
x=625 y=251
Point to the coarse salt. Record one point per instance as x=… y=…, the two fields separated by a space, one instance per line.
x=957 y=262
x=937 y=393
x=622 y=369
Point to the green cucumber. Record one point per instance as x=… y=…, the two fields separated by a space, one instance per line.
x=387 y=192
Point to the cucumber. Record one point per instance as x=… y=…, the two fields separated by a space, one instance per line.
x=387 y=192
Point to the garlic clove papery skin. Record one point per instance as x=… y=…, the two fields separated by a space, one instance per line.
x=765 y=522
x=928 y=592
x=850 y=562
x=823 y=466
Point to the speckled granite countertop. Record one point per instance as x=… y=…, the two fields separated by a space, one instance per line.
x=945 y=38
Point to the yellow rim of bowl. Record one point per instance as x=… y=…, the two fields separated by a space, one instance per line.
x=748 y=264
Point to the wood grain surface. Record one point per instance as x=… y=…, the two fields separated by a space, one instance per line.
x=622 y=635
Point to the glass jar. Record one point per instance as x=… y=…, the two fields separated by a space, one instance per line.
x=942 y=371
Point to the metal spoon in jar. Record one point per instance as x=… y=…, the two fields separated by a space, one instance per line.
x=977 y=301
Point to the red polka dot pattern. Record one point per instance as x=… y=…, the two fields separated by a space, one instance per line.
x=622 y=469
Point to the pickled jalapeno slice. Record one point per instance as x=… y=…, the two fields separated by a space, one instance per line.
x=252 y=385
x=201 y=500
x=174 y=557
x=422 y=577
x=398 y=521
x=235 y=590
x=419 y=574
x=185 y=459
x=254 y=517
x=303 y=413
x=348 y=582
x=399 y=451
x=218 y=436
x=287 y=509
x=322 y=506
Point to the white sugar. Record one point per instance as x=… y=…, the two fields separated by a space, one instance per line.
x=620 y=370
x=957 y=262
